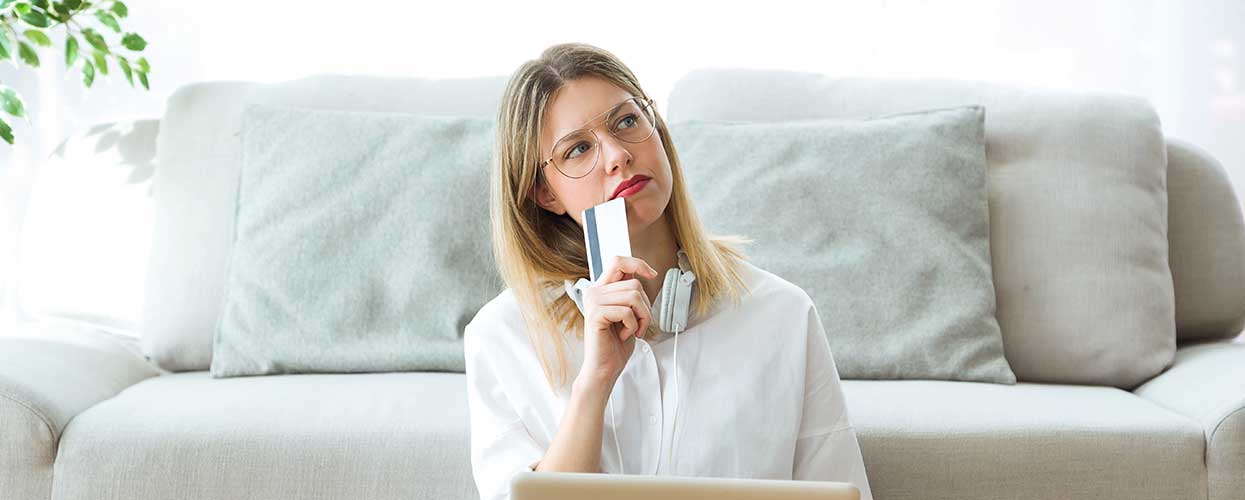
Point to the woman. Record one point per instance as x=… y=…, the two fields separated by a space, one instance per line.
x=755 y=393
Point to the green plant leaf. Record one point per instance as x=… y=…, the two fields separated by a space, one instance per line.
x=5 y=3
x=133 y=42
x=28 y=55
x=60 y=12
x=107 y=20
x=125 y=68
x=22 y=8
x=42 y=4
x=101 y=63
x=142 y=78
x=11 y=102
x=39 y=38
x=119 y=9
x=142 y=65
x=73 y=4
x=88 y=73
x=6 y=45
x=36 y=19
x=95 y=39
x=6 y=133
x=71 y=51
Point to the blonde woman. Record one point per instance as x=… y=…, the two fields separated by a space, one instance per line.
x=756 y=393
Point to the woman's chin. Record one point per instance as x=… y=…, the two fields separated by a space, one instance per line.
x=642 y=215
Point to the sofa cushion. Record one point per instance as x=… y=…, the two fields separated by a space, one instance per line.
x=1078 y=208
x=883 y=221
x=359 y=251
x=405 y=435
x=199 y=157
x=965 y=440
x=315 y=436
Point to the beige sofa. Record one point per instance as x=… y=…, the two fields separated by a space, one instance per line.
x=90 y=415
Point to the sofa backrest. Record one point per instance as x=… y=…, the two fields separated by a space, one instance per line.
x=199 y=161
x=199 y=158
x=1078 y=213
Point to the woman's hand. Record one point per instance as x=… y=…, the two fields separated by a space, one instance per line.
x=616 y=310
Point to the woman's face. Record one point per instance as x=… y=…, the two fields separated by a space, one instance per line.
x=571 y=108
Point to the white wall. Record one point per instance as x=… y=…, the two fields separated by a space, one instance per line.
x=1188 y=58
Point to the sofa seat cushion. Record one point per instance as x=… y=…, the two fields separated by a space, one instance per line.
x=317 y=436
x=968 y=440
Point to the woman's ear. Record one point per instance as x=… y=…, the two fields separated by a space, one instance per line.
x=547 y=200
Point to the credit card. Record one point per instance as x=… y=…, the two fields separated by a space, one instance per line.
x=606 y=234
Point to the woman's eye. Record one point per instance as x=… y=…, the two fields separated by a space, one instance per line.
x=575 y=150
x=625 y=119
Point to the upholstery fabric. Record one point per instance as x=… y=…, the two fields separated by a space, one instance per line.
x=883 y=222
x=1078 y=207
x=360 y=238
x=199 y=157
x=1207 y=384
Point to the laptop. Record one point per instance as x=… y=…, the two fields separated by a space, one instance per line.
x=527 y=485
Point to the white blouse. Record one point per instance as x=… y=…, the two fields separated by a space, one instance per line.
x=759 y=396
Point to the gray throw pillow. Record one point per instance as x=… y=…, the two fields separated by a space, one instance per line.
x=361 y=243
x=884 y=222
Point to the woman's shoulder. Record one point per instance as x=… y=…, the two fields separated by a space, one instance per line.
x=502 y=307
x=767 y=286
x=498 y=321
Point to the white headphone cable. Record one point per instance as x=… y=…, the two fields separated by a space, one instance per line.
x=675 y=419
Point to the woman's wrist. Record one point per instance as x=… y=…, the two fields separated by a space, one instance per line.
x=591 y=387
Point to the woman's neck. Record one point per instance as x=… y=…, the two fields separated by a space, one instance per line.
x=657 y=247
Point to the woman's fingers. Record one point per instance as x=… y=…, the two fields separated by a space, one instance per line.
x=621 y=265
x=634 y=299
x=621 y=314
x=621 y=298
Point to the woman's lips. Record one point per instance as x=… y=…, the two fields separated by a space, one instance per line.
x=633 y=189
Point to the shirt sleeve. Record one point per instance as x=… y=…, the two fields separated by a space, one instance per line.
x=500 y=443
x=826 y=448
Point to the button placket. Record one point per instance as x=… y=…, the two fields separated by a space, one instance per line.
x=652 y=388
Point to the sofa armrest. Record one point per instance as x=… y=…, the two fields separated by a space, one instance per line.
x=1207 y=384
x=1206 y=245
x=48 y=374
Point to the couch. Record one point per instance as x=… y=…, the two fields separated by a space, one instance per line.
x=87 y=414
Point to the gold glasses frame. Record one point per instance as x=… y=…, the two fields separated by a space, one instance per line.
x=643 y=102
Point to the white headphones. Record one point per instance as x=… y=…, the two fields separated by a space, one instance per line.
x=671 y=313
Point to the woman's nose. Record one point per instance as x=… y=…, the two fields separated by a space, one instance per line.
x=614 y=153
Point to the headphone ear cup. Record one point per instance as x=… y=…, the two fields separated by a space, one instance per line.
x=669 y=289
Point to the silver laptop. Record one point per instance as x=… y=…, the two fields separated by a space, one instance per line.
x=528 y=485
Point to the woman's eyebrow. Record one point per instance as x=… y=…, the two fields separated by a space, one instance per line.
x=593 y=119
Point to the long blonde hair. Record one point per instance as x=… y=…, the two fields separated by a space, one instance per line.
x=535 y=250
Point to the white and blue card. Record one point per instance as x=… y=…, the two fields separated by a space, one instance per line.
x=606 y=234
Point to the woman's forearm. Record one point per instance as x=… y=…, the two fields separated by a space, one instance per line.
x=577 y=445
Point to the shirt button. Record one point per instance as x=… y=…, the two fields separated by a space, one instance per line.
x=644 y=347
x=652 y=420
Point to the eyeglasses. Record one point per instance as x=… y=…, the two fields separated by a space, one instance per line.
x=577 y=153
